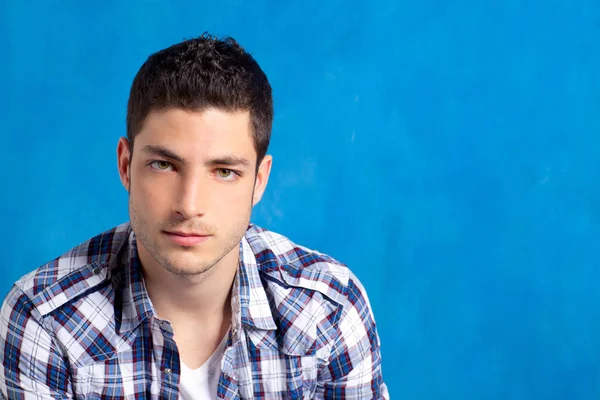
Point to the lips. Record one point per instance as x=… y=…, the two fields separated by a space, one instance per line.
x=186 y=238
x=179 y=233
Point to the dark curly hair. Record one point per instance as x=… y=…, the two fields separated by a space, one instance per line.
x=200 y=73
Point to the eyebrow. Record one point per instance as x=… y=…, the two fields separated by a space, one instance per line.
x=163 y=152
x=230 y=161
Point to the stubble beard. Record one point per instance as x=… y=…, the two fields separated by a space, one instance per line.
x=195 y=268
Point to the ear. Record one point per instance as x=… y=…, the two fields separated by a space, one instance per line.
x=262 y=177
x=124 y=162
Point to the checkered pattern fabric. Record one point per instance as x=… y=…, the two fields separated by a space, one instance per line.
x=83 y=326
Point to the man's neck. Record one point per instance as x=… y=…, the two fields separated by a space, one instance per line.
x=204 y=298
x=198 y=307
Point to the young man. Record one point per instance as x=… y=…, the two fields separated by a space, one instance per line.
x=189 y=300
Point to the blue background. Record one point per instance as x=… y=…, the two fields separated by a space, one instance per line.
x=447 y=151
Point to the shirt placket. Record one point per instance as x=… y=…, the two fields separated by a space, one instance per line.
x=168 y=364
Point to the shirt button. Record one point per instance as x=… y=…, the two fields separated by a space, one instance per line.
x=168 y=371
x=164 y=325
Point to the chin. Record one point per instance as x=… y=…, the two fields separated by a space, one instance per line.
x=187 y=262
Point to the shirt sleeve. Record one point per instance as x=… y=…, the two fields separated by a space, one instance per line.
x=354 y=368
x=32 y=364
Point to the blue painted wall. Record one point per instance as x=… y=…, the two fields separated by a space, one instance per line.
x=447 y=151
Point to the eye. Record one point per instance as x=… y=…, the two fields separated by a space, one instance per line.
x=161 y=165
x=226 y=174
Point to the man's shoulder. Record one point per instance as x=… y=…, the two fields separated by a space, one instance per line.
x=298 y=265
x=308 y=293
x=72 y=273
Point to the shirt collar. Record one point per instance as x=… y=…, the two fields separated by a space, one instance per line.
x=136 y=305
x=250 y=305
x=250 y=296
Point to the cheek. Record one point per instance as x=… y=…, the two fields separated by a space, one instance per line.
x=241 y=194
x=233 y=201
x=149 y=195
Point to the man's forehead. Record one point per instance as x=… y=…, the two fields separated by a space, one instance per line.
x=211 y=127
x=199 y=132
x=213 y=118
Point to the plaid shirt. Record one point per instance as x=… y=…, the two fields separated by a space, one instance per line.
x=83 y=326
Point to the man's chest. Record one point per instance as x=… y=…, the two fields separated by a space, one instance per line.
x=149 y=366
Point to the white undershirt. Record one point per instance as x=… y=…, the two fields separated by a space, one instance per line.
x=202 y=382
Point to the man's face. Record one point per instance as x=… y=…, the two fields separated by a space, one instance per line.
x=192 y=184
